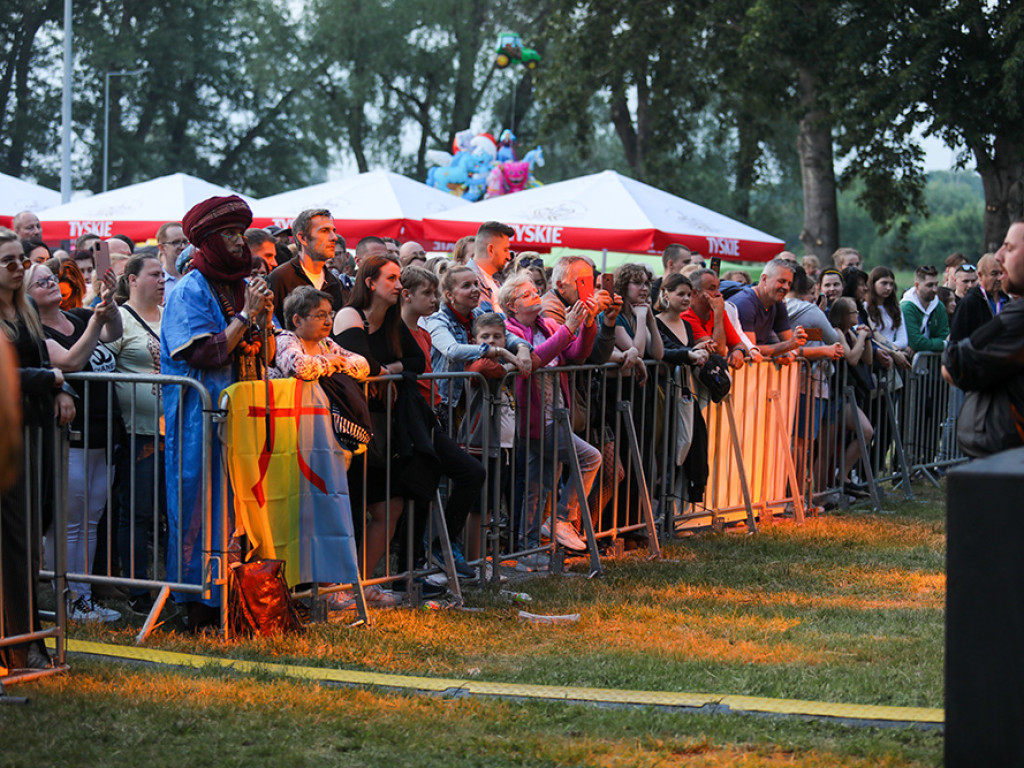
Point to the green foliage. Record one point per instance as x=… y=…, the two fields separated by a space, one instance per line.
x=956 y=214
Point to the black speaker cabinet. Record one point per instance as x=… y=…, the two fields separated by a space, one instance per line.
x=985 y=613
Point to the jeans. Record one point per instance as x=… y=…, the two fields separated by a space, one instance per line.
x=542 y=473
x=87 y=498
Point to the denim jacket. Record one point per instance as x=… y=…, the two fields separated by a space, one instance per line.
x=451 y=350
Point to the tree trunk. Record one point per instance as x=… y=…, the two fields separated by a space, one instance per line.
x=1002 y=176
x=747 y=154
x=623 y=123
x=16 y=68
x=469 y=35
x=820 y=234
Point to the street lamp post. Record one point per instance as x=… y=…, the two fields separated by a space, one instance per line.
x=106 y=112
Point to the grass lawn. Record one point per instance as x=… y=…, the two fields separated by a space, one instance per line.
x=846 y=608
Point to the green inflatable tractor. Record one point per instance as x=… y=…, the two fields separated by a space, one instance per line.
x=510 y=50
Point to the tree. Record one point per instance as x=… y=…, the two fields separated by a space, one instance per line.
x=633 y=56
x=421 y=65
x=214 y=100
x=967 y=68
x=24 y=106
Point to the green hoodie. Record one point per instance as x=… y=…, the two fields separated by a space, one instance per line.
x=927 y=327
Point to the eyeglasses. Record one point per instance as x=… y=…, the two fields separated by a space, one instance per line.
x=231 y=234
x=967 y=268
x=45 y=282
x=531 y=263
x=321 y=316
x=180 y=243
x=11 y=265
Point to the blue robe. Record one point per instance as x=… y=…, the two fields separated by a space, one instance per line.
x=192 y=313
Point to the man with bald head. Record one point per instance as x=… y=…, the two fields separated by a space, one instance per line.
x=411 y=254
x=982 y=302
x=26 y=225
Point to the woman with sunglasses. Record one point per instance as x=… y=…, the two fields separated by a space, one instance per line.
x=44 y=403
x=73 y=341
x=532 y=263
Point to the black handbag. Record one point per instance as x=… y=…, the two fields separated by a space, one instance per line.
x=714 y=375
x=350 y=415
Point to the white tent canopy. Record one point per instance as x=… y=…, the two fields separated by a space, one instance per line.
x=17 y=196
x=606 y=210
x=137 y=210
x=378 y=203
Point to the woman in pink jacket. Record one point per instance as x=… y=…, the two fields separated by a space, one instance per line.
x=538 y=396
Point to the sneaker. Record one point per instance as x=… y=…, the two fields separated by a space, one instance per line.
x=341 y=601
x=462 y=569
x=437 y=579
x=380 y=597
x=566 y=535
x=141 y=604
x=84 y=609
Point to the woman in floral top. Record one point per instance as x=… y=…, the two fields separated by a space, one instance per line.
x=308 y=352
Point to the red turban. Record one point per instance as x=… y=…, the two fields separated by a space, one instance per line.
x=215 y=214
x=212 y=257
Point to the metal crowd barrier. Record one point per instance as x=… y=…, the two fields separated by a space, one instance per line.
x=35 y=504
x=764 y=456
x=931 y=408
x=135 y=497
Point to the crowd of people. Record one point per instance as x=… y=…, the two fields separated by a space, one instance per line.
x=220 y=302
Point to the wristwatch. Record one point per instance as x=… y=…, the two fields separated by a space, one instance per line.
x=243 y=317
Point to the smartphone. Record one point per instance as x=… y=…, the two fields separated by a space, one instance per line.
x=585 y=287
x=716 y=264
x=608 y=283
x=813 y=334
x=101 y=255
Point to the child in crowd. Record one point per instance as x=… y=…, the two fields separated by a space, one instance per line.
x=497 y=411
x=466 y=474
x=419 y=299
x=539 y=395
x=856 y=340
x=306 y=351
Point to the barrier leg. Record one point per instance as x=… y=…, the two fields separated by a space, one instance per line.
x=154 y=615
x=738 y=451
x=361 y=612
x=645 y=495
x=436 y=511
x=865 y=462
x=901 y=455
x=787 y=457
x=596 y=569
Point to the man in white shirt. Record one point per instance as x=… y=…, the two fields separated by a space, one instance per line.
x=491 y=254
